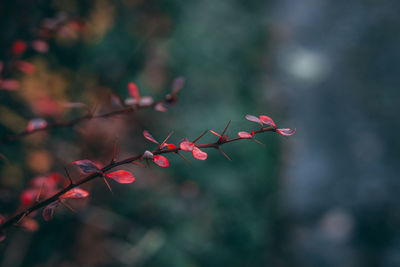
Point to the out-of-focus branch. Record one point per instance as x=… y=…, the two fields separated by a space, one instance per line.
x=167 y=100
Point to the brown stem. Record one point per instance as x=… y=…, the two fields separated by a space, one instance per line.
x=108 y=167
x=75 y=121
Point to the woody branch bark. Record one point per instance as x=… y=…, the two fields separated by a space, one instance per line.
x=216 y=145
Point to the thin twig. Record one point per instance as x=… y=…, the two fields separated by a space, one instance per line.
x=107 y=168
x=73 y=122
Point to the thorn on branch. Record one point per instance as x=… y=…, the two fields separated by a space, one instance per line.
x=114 y=151
x=22 y=217
x=197 y=139
x=108 y=185
x=67 y=206
x=223 y=153
x=226 y=128
x=71 y=183
x=184 y=158
x=166 y=139
x=39 y=193
x=258 y=142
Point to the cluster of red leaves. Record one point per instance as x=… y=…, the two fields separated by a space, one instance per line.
x=47 y=186
x=18 y=49
x=60 y=25
x=50 y=107
x=267 y=121
x=74 y=193
x=41 y=186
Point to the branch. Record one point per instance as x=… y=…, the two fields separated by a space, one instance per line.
x=216 y=145
x=168 y=99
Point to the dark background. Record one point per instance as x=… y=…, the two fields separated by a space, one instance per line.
x=327 y=196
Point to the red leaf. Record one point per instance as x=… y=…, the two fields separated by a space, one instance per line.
x=245 y=135
x=25 y=67
x=267 y=121
x=121 y=176
x=2 y=233
x=9 y=84
x=253 y=119
x=36 y=124
x=75 y=193
x=87 y=166
x=115 y=101
x=171 y=146
x=28 y=196
x=286 y=131
x=30 y=224
x=146 y=101
x=149 y=137
x=40 y=46
x=134 y=91
x=186 y=145
x=161 y=161
x=48 y=211
x=18 y=47
x=2 y=236
x=130 y=101
x=198 y=154
x=160 y=107
x=177 y=84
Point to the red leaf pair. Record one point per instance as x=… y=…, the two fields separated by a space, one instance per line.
x=261 y=120
x=265 y=120
x=44 y=186
x=196 y=152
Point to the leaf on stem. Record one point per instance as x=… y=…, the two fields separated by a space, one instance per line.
x=186 y=145
x=48 y=211
x=253 y=119
x=149 y=137
x=198 y=154
x=134 y=91
x=245 y=135
x=36 y=124
x=121 y=176
x=75 y=193
x=161 y=161
x=286 y=131
x=87 y=166
x=267 y=121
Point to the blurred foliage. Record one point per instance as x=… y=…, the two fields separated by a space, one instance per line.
x=213 y=213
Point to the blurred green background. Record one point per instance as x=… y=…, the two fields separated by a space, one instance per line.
x=327 y=196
